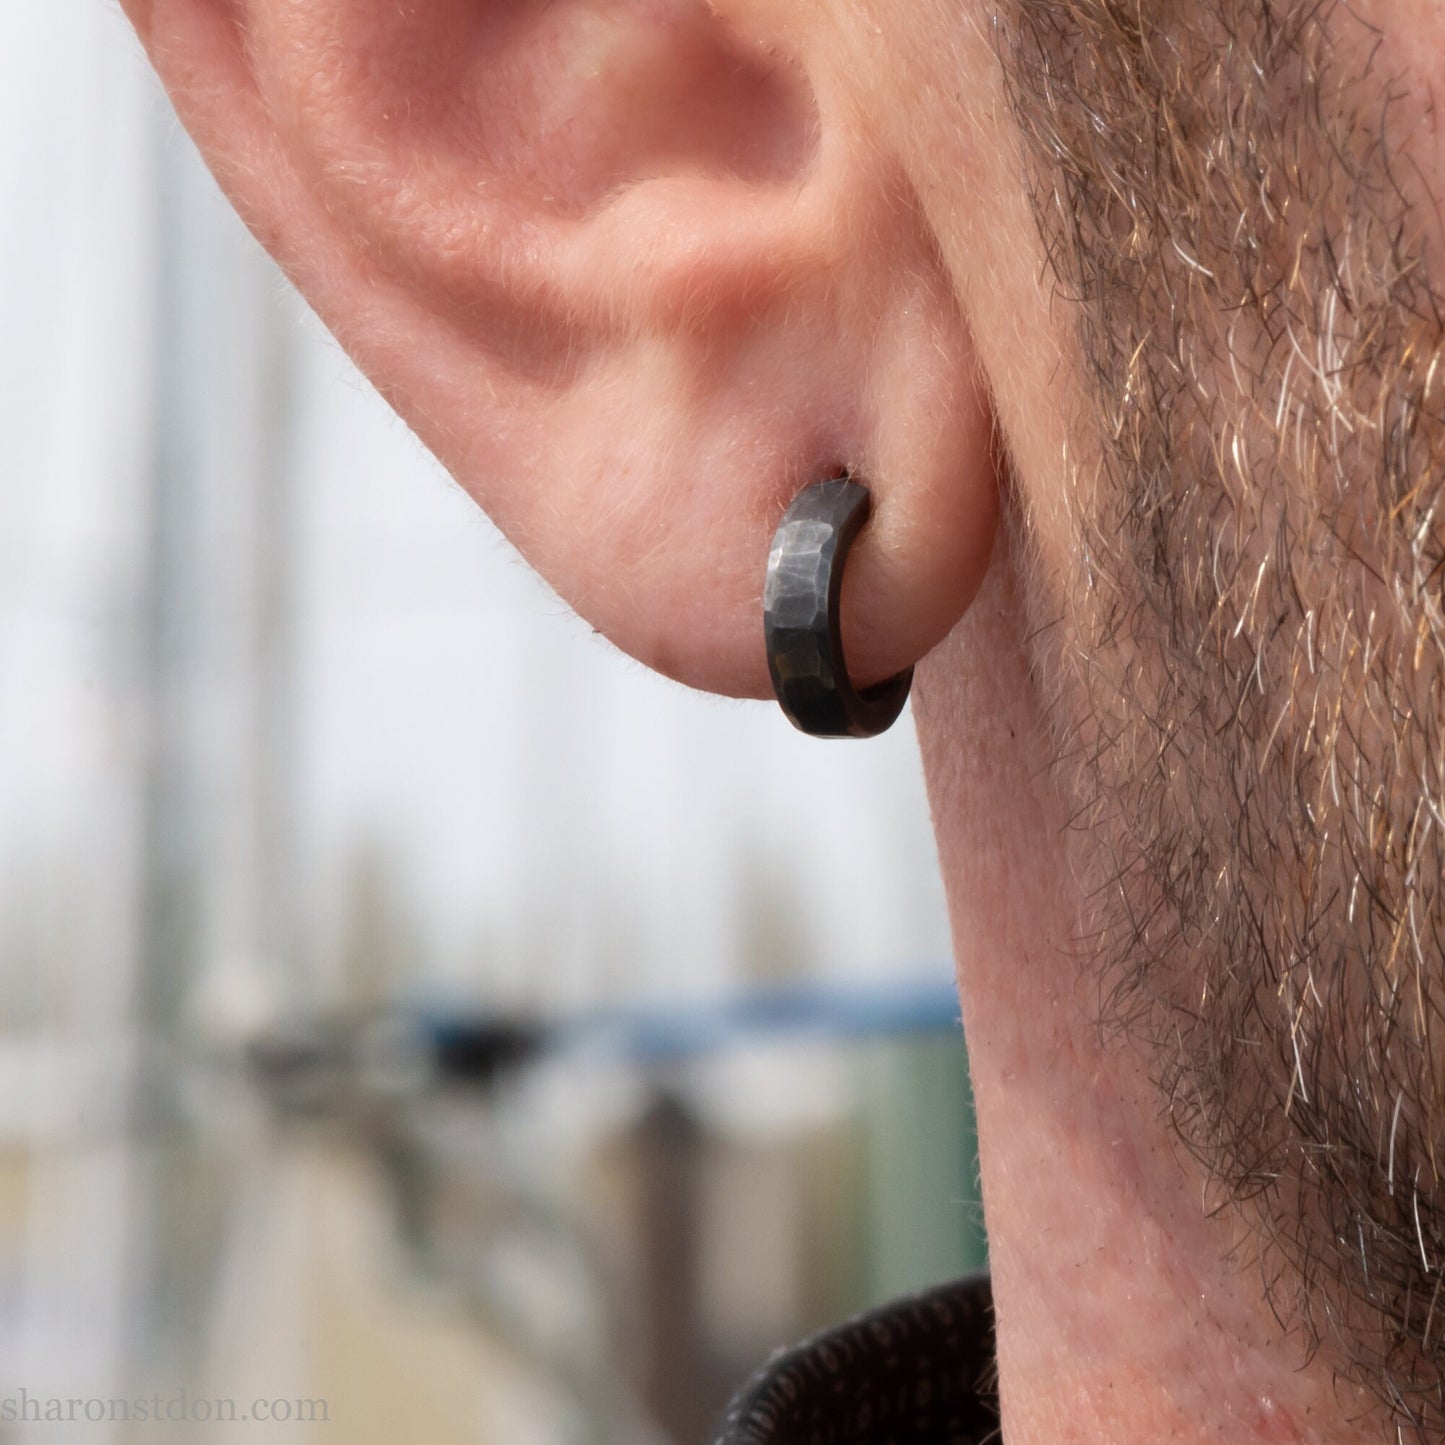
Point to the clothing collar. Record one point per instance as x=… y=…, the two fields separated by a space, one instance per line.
x=919 y=1371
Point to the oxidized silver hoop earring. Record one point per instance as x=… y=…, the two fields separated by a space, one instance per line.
x=800 y=617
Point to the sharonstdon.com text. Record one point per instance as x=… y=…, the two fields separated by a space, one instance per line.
x=175 y=1407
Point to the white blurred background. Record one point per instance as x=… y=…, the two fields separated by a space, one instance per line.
x=293 y=745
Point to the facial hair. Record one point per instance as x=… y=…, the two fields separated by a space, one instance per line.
x=1247 y=654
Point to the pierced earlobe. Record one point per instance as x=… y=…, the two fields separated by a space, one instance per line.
x=801 y=627
x=573 y=243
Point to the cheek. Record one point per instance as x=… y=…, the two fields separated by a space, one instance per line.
x=1397 y=48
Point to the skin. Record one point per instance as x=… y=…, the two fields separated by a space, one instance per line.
x=636 y=271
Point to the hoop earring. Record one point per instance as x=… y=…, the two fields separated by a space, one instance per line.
x=800 y=617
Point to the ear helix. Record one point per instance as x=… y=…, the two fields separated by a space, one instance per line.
x=801 y=607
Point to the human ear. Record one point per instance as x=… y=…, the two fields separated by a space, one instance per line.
x=636 y=272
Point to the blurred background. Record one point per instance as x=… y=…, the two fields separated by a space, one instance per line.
x=406 y=1001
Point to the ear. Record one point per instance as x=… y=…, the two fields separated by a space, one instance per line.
x=635 y=272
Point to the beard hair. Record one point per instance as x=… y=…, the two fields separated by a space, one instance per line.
x=1249 y=663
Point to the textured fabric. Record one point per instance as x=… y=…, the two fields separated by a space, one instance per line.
x=918 y=1372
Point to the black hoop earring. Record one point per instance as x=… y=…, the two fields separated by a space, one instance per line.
x=800 y=617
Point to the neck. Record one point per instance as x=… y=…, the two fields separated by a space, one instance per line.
x=1124 y=1312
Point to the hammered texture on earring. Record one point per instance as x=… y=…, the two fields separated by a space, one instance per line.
x=800 y=617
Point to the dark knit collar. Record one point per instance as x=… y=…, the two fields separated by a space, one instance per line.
x=919 y=1371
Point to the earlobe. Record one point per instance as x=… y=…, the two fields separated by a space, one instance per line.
x=138 y=12
x=634 y=276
